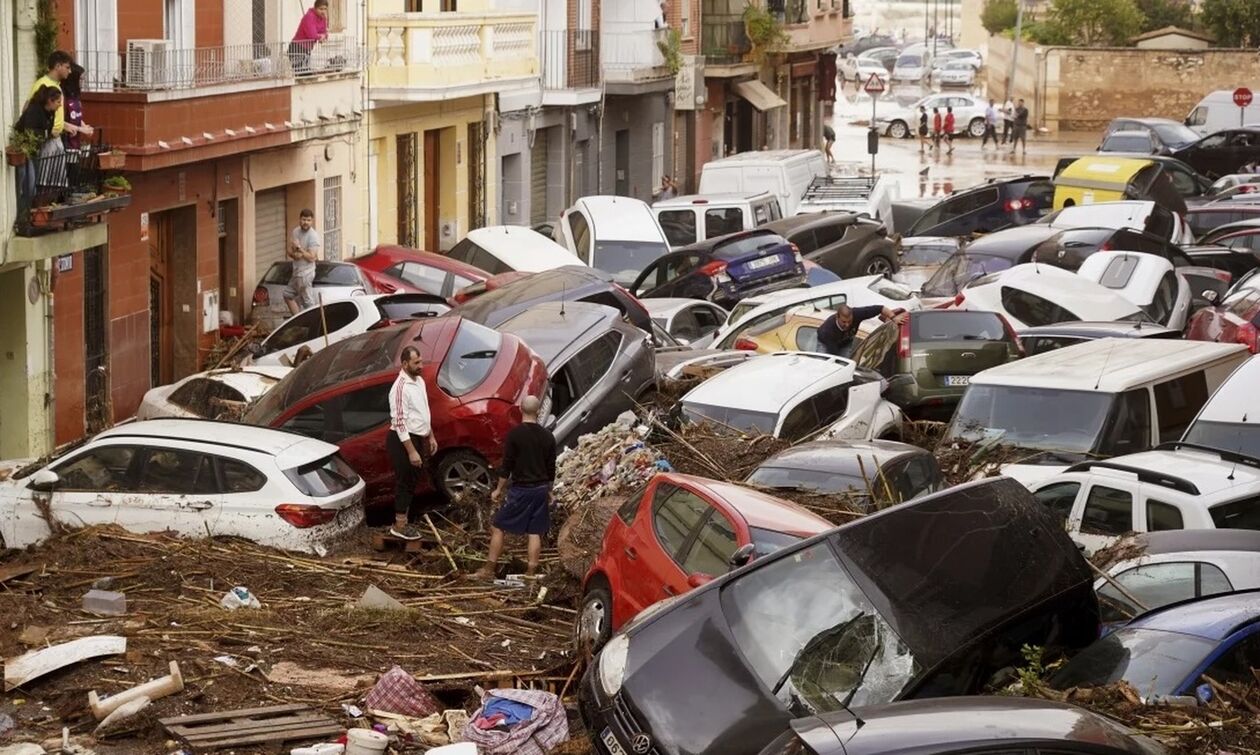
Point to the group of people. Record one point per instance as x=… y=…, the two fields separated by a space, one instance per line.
x=1014 y=116
x=53 y=115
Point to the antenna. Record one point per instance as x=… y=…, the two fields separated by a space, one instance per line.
x=562 y=294
x=1237 y=449
x=1103 y=371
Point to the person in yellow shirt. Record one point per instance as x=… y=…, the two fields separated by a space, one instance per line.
x=59 y=65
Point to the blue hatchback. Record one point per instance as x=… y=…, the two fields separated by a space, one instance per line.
x=1170 y=650
x=725 y=269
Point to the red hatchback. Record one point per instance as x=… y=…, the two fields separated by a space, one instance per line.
x=476 y=380
x=398 y=268
x=1236 y=319
x=678 y=533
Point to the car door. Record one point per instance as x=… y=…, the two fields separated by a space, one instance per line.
x=93 y=486
x=1156 y=585
x=1206 y=154
x=709 y=553
x=176 y=489
x=679 y=226
x=709 y=317
x=654 y=553
x=1231 y=663
x=239 y=483
x=1061 y=499
x=596 y=395
x=684 y=326
x=1106 y=515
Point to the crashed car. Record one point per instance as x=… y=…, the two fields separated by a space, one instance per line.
x=873 y=474
x=832 y=622
x=213 y=394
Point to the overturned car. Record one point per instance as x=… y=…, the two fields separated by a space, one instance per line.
x=927 y=599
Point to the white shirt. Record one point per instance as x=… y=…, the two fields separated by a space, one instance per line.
x=409 y=407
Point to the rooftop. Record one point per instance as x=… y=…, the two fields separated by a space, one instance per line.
x=762 y=510
x=1205 y=470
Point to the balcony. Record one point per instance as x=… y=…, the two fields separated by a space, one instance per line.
x=420 y=57
x=61 y=200
x=724 y=42
x=570 y=66
x=633 y=61
x=813 y=24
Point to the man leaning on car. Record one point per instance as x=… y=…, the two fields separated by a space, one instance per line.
x=835 y=335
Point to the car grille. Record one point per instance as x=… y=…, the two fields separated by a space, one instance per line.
x=629 y=727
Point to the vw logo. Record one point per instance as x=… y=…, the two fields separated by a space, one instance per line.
x=968 y=355
x=641 y=744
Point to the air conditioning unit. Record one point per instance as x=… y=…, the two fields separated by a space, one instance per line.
x=148 y=63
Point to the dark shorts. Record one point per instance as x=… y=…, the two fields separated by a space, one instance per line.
x=525 y=511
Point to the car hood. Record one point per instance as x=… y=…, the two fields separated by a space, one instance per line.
x=972 y=560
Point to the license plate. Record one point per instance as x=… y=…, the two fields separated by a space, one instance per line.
x=763 y=262
x=611 y=743
x=958 y=380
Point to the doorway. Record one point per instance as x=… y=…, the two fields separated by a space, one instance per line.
x=406 y=179
x=432 y=185
x=230 y=260
x=621 y=163
x=173 y=331
x=98 y=407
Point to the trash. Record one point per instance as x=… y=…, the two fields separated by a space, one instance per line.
x=428 y=731
x=123 y=712
x=104 y=583
x=105 y=603
x=7 y=724
x=374 y=597
x=34 y=635
x=36 y=663
x=352 y=711
x=456 y=720
x=239 y=597
x=522 y=721
x=227 y=660
x=324 y=748
x=398 y=692
x=154 y=689
x=332 y=680
x=272 y=725
x=365 y=742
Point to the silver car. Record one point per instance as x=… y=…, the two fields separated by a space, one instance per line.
x=334 y=281
x=957 y=73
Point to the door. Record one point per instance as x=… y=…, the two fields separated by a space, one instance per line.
x=96 y=346
x=92 y=483
x=591 y=404
x=538 y=178
x=230 y=282
x=270 y=234
x=621 y=163
x=859 y=420
x=161 y=349
x=176 y=489
x=432 y=188
x=1106 y=515
x=654 y=549
x=406 y=179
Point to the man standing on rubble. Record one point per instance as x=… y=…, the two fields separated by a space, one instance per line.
x=529 y=468
x=835 y=335
x=410 y=442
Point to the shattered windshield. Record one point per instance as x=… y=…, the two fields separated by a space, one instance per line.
x=962 y=269
x=813 y=638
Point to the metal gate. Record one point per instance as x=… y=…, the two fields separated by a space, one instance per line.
x=476 y=176
x=270 y=233
x=98 y=407
x=408 y=176
x=538 y=178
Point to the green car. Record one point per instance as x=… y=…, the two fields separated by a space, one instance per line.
x=929 y=359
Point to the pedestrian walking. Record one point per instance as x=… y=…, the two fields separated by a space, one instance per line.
x=1019 y=132
x=1008 y=120
x=936 y=129
x=923 y=128
x=305 y=244
x=836 y=333
x=949 y=129
x=529 y=468
x=829 y=138
x=990 y=125
x=312 y=29
x=410 y=443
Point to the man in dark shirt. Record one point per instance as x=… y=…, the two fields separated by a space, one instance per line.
x=529 y=468
x=835 y=335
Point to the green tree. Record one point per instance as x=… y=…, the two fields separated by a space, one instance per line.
x=1161 y=13
x=1234 y=23
x=999 y=15
x=1096 y=22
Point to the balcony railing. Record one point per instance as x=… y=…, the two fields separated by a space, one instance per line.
x=154 y=65
x=63 y=189
x=724 y=42
x=634 y=55
x=431 y=51
x=570 y=59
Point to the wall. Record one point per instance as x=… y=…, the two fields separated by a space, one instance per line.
x=637 y=114
x=563 y=180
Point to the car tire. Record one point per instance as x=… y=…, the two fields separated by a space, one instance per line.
x=899 y=130
x=593 y=625
x=460 y=471
x=878 y=264
x=976 y=128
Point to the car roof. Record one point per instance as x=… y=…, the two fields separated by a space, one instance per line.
x=573 y=280
x=1109 y=365
x=701 y=200
x=784 y=225
x=714 y=244
x=550 y=328
x=1213 y=618
x=1011 y=242
x=244 y=379
x=290 y=449
x=759 y=509
x=1194 y=470
x=780 y=377
x=440 y=261
x=801 y=295
x=1134 y=133
x=1098 y=329
x=1132 y=210
x=1148 y=121
x=521 y=247
x=1236 y=399
x=841 y=456
x=764 y=155
x=1185 y=541
x=1090 y=299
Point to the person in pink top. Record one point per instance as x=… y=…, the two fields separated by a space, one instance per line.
x=312 y=29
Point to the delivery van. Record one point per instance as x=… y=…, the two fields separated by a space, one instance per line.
x=784 y=173
x=1217 y=111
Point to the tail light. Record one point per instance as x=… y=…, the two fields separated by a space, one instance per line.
x=261 y=297
x=1015 y=205
x=745 y=344
x=903 y=342
x=382 y=323
x=796 y=252
x=1106 y=247
x=959 y=298
x=1224 y=276
x=1249 y=336
x=712 y=269
x=304 y=515
x=1006 y=325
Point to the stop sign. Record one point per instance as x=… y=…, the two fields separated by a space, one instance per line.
x=1242 y=96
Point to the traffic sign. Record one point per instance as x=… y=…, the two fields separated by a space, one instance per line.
x=1242 y=96
x=875 y=85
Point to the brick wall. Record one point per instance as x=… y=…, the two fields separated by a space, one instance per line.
x=131 y=119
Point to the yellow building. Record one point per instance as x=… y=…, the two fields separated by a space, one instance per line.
x=431 y=126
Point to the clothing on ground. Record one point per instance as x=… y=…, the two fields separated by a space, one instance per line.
x=409 y=407
x=529 y=455
x=525 y=512
x=541 y=733
x=834 y=340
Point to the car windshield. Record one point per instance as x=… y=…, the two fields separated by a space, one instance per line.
x=1239 y=437
x=326 y=274
x=817 y=480
x=928 y=253
x=961 y=269
x=1154 y=662
x=470 y=358
x=1174 y=134
x=624 y=260
x=1033 y=418
x=812 y=637
x=735 y=418
x=326 y=477
x=908 y=61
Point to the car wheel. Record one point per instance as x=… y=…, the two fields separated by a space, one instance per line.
x=879 y=265
x=898 y=130
x=593 y=626
x=976 y=127
x=463 y=471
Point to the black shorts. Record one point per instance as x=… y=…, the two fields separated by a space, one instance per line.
x=923 y=131
x=525 y=512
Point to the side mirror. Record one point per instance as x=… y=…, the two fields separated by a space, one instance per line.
x=1209 y=296
x=683 y=341
x=698 y=579
x=742 y=555
x=45 y=480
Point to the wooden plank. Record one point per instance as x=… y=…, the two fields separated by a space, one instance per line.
x=17 y=570
x=308 y=732
x=230 y=714
x=245 y=726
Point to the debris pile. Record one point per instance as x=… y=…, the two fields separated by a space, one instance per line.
x=614 y=461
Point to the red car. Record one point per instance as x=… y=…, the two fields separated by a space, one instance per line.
x=476 y=380
x=492 y=283
x=679 y=533
x=399 y=269
x=1235 y=319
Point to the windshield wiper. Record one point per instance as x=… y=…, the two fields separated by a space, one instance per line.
x=483 y=354
x=839 y=629
x=862 y=676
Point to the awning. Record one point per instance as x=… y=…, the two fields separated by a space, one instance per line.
x=760 y=95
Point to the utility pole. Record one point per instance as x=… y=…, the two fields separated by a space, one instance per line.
x=1019 y=25
x=926 y=13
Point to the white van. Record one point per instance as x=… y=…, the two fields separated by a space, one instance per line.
x=1217 y=111
x=1102 y=398
x=1230 y=420
x=696 y=217
x=618 y=235
x=785 y=173
x=505 y=248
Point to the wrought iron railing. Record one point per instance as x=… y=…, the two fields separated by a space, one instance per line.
x=570 y=59
x=724 y=42
x=62 y=187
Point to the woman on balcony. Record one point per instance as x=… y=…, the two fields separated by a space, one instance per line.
x=312 y=29
x=38 y=117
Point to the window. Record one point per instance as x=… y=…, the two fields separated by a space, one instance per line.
x=679 y=226
x=1165 y=299
x=685 y=325
x=364 y=409
x=807 y=338
x=830 y=404
x=427 y=279
x=470 y=358
x=1119 y=272
x=806 y=241
x=1032 y=310
x=936 y=325
x=684 y=12
x=1108 y=511
x=310 y=325
x=1243 y=514
x=1177 y=402
x=1197 y=117
x=915 y=477
x=711 y=552
x=467 y=251
x=707 y=320
x=721 y=221
x=332 y=215
x=1059 y=498
x=630 y=509
x=1162 y=516
x=308 y=422
x=584 y=25
x=581 y=236
x=323 y=478
x=675 y=516
x=799 y=422
x=1038 y=344
x=239 y=477
x=1215 y=141
x=1128 y=426
x=336 y=16
x=101 y=469
x=1236 y=664
x=166 y=470
x=591 y=363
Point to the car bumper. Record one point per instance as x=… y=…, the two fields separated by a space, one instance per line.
x=309 y=540
x=604 y=717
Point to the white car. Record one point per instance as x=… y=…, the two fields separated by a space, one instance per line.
x=900 y=122
x=1175 y=565
x=507 y=248
x=334 y=281
x=1143 y=215
x=1035 y=294
x=861 y=69
x=619 y=235
x=1231 y=417
x=956 y=74
x=340 y=320
x=1165 y=489
x=1147 y=280
x=796 y=396
x=912 y=66
x=960 y=55
x=212 y=394
x=867 y=291
x=195 y=478
x=693 y=322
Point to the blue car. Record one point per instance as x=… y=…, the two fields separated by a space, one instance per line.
x=725 y=269
x=1169 y=651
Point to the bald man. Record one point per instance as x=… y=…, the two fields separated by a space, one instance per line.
x=529 y=468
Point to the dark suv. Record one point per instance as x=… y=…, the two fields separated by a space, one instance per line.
x=845 y=243
x=994 y=205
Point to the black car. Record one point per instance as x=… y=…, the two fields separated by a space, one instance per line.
x=725 y=269
x=963 y=726
x=847 y=244
x=1166 y=135
x=1050 y=337
x=1131 y=143
x=1208 y=217
x=1237 y=260
x=992 y=206
x=981 y=570
x=568 y=283
x=1223 y=152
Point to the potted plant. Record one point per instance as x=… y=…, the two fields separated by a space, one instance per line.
x=116 y=185
x=112 y=160
x=23 y=145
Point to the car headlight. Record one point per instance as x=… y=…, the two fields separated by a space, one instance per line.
x=612 y=664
